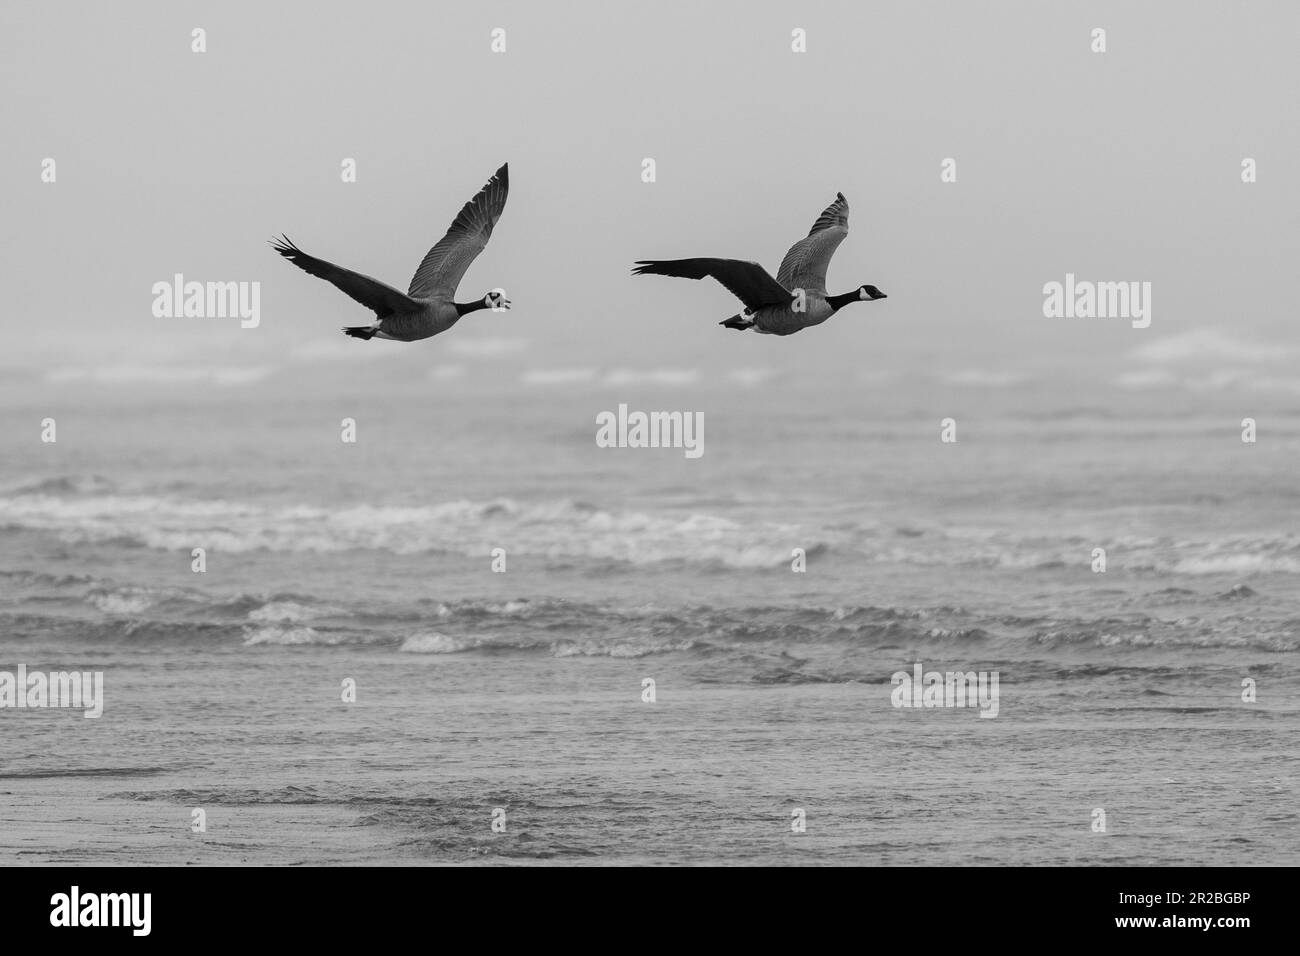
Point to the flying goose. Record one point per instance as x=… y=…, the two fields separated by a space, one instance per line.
x=775 y=306
x=426 y=308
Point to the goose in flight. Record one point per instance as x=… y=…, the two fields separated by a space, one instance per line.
x=796 y=298
x=426 y=308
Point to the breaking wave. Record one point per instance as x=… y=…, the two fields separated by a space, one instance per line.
x=555 y=529
x=77 y=609
x=93 y=510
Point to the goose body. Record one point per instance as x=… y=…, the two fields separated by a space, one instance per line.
x=427 y=307
x=796 y=298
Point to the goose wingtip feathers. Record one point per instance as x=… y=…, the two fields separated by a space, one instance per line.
x=284 y=246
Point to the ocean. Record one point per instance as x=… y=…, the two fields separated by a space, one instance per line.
x=519 y=697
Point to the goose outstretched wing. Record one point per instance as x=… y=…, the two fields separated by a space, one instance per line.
x=445 y=264
x=804 y=266
x=747 y=281
x=371 y=293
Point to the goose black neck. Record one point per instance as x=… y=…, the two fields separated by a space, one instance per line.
x=464 y=308
x=838 y=302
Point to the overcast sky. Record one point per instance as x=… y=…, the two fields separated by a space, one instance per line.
x=1116 y=166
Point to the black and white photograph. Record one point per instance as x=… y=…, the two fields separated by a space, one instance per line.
x=376 y=491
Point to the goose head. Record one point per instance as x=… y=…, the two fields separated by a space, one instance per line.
x=496 y=300
x=868 y=293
